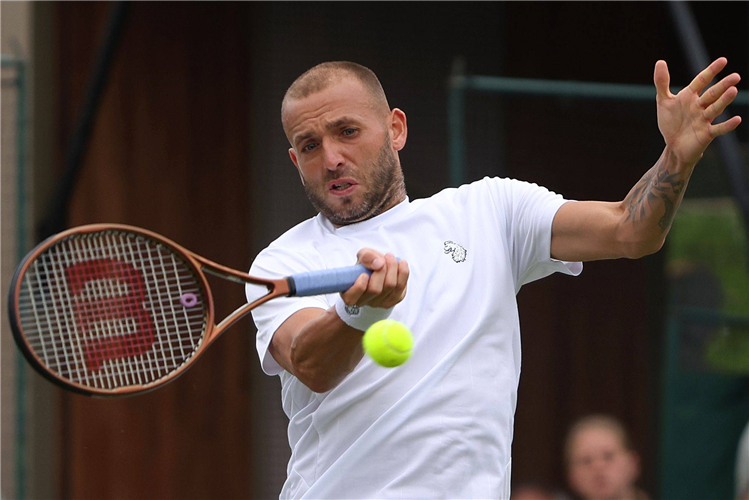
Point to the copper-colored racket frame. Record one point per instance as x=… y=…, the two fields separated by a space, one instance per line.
x=276 y=288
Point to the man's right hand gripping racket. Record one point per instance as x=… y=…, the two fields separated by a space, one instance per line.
x=113 y=310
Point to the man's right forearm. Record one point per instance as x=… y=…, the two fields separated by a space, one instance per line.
x=324 y=351
x=319 y=348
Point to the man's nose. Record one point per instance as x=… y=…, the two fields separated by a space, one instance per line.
x=332 y=155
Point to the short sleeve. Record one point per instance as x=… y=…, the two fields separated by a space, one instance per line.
x=276 y=263
x=526 y=213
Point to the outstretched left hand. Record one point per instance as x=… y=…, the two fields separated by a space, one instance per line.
x=685 y=119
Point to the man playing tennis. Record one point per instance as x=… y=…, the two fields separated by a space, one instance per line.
x=441 y=425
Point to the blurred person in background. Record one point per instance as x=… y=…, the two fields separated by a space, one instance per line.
x=600 y=460
x=742 y=466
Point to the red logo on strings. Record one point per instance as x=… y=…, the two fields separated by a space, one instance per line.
x=93 y=311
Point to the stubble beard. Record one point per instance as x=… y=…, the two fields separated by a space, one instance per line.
x=385 y=179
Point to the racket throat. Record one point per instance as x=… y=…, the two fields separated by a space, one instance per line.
x=224 y=275
x=292 y=286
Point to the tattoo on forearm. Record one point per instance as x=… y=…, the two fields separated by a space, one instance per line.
x=657 y=185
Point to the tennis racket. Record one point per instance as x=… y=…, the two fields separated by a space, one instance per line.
x=114 y=310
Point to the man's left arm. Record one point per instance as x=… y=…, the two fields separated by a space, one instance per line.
x=637 y=226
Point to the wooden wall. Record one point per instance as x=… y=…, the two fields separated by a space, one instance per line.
x=169 y=153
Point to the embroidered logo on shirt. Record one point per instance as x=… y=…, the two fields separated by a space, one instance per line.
x=352 y=310
x=457 y=252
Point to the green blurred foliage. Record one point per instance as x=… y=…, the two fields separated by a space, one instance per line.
x=710 y=234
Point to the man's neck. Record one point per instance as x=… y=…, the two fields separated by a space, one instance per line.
x=389 y=202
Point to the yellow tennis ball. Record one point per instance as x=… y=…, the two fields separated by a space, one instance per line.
x=388 y=343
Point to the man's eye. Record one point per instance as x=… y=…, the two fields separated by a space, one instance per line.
x=349 y=131
x=309 y=147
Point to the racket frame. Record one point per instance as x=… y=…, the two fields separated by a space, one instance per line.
x=200 y=265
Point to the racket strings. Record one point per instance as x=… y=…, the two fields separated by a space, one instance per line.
x=108 y=309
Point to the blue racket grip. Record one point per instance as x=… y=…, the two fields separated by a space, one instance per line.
x=325 y=281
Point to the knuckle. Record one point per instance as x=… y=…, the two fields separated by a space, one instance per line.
x=359 y=287
x=366 y=253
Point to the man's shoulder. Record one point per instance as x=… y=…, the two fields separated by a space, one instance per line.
x=480 y=184
x=496 y=187
x=470 y=191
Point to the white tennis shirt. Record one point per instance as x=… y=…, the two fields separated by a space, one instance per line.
x=441 y=425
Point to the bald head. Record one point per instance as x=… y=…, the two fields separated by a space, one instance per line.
x=327 y=74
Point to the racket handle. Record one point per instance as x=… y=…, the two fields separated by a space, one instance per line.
x=325 y=281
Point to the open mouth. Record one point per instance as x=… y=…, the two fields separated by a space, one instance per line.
x=342 y=186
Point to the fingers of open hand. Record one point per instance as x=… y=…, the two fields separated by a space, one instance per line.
x=716 y=98
x=715 y=109
x=719 y=89
x=719 y=96
x=662 y=80
x=725 y=127
x=706 y=75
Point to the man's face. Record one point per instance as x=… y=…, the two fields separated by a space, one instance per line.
x=345 y=149
x=600 y=467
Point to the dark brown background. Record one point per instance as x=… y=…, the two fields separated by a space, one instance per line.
x=188 y=143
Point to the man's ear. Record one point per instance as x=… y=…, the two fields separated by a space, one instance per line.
x=292 y=155
x=398 y=128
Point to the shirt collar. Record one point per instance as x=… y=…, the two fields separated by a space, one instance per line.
x=384 y=217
